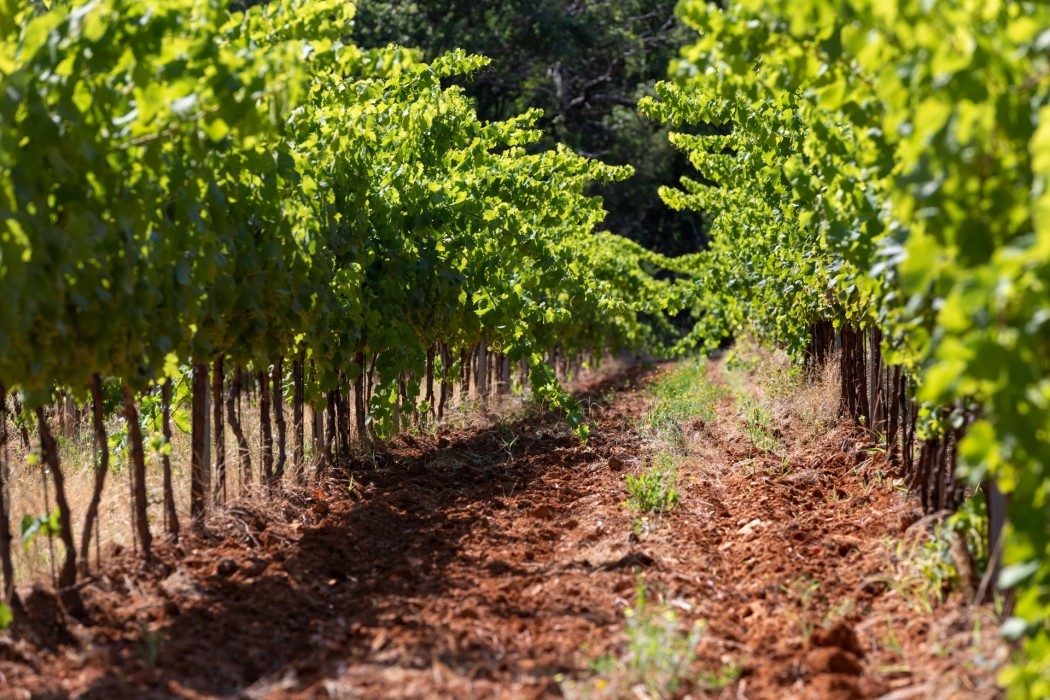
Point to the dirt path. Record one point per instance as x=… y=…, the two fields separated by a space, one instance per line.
x=502 y=562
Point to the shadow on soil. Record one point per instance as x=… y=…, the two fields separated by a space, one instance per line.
x=296 y=611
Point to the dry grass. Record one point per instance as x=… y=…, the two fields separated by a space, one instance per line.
x=814 y=405
x=768 y=378
x=77 y=454
x=36 y=561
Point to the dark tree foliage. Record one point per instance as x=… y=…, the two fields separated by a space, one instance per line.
x=585 y=63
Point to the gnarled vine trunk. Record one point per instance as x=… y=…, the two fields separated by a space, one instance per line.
x=49 y=454
x=138 y=471
x=278 y=416
x=101 y=469
x=244 y=455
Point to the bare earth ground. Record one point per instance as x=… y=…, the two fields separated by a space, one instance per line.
x=499 y=561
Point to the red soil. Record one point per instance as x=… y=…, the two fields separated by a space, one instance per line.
x=465 y=566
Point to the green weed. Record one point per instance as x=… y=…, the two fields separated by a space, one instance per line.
x=654 y=490
x=722 y=678
x=660 y=649
x=758 y=423
x=804 y=590
x=922 y=570
x=971 y=523
x=659 y=654
x=679 y=395
x=508 y=439
x=891 y=641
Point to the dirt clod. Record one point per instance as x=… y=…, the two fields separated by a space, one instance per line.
x=628 y=560
x=541 y=513
x=833 y=660
x=841 y=636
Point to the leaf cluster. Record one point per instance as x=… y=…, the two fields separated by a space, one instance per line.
x=179 y=183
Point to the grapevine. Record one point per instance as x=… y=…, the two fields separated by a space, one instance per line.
x=220 y=202
x=882 y=169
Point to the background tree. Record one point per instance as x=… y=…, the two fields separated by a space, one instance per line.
x=585 y=63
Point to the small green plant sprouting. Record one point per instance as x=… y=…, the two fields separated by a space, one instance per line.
x=891 y=641
x=804 y=590
x=724 y=677
x=508 y=445
x=923 y=570
x=659 y=655
x=654 y=490
x=660 y=650
x=780 y=470
x=757 y=422
x=149 y=646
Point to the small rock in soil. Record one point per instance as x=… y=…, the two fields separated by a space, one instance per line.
x=751 y=527
x=180 y=585
x=226 y=568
